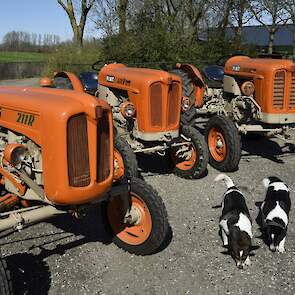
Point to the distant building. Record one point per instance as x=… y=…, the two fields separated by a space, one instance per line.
x=259 y=36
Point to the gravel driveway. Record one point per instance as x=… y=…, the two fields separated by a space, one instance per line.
x=67 y=256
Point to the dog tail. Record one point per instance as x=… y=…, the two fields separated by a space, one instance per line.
x=266 y=182
x=229 y=183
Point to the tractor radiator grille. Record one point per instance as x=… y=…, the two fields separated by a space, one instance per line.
x=292 y=93
x=278 y=92
x=173 y=103
x=103 y=144
x=78 y=154
x=156 y=105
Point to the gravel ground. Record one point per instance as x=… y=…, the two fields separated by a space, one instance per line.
x=66 y=256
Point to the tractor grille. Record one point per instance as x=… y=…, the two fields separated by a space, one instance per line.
x=278 y=92
x=173 y=103
x=156 y=105
x=103 y=144
x=292 y=93
x=78 y=154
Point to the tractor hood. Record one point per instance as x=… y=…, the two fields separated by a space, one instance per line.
x=256 y=66
x=32 y=108
x=132 y=79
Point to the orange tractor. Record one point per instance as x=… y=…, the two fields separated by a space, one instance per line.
x=146 y=106
x=57 y=157
x=248 y=95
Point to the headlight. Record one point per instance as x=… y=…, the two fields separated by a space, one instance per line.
x=248 y=88
x=45 y=82
x=15 y=153
x=186 y=104
x=127 y=109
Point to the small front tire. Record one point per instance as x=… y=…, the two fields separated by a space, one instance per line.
x=150 y=228
x=224 y=143
x=194 y=165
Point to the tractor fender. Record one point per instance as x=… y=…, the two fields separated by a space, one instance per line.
x=230 y=85
x=75 y=81
x=197 y=80
x=192 y=71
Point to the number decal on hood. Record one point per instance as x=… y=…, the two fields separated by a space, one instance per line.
x=26 y=119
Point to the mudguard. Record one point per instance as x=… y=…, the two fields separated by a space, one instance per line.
x=197 y=80
x=75 y=82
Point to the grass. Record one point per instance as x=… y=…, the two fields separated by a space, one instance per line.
x=14 y=56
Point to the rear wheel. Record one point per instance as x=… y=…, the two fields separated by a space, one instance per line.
x=224 y=143
x=190 y=159
x=187 y=118
x=146 y=228
x=5 y=279
x=125 y=162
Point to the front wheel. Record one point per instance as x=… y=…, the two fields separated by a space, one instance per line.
x=145 y=228
x=190 y=154
x=224 y=143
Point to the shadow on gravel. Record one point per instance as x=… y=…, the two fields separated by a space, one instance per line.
x=29 y=274
x=157 y=165
x=263 y=147
x=154 y=163
x=258 y=220
x=91 y=228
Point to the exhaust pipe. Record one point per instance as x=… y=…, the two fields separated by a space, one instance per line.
x=19 y=219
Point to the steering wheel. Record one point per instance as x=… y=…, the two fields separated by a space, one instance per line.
x=100 y=63
x=223 y=59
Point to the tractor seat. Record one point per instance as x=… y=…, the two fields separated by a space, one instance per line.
x=89 y=81
x=213 y=76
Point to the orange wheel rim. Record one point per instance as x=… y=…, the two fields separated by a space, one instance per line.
x=132 y=234
x=217 y=145
x=188 y=163
x=118 y=165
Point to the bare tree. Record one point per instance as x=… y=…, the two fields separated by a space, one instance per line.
x=225 y=7
x=194 y=10
x=110 y=16
x=240 y=16
x=289 y=5
x=269 y=11
x=122 y=13
x=78 y=29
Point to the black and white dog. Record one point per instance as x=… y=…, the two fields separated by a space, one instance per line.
x=235 y=223
x=275 y=213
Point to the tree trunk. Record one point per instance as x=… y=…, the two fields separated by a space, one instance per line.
x=272 y=32
x=121 y=11
x=78 y=29
x=225 y=21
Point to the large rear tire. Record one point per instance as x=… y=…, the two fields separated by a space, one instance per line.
x=125 y=159
x=149 y=232
x=5 y=279
x=192 y=162
x=224 y=143
x=188 y=117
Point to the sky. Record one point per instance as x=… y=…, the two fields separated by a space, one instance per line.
x=36 y=16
